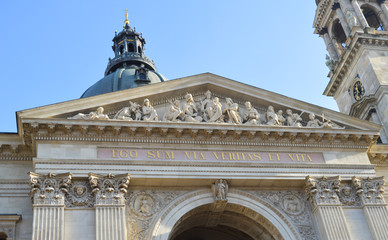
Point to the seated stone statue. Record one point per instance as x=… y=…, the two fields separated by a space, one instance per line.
x=97 y=115
x=173 y=113
x=231 y=112
x=293 y=119
x=149 y=113
x=271 y=117
x=132 y=112
x=214 y=112
x=190 y=110
x=251 y=115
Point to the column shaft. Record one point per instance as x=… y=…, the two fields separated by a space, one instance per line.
x=48 y=223
x=384 y=8
x=330 y=47
x=110 y=223
x=343 y=21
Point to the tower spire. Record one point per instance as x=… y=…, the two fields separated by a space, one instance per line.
x=126 y=21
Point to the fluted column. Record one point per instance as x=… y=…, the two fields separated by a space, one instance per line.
x=327 y=207
x=48 y=198
x=110 y=205
x=371 y=192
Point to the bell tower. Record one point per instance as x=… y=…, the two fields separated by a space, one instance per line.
x=356 y=38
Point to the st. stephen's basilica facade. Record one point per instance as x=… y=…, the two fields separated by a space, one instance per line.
x=205 y=157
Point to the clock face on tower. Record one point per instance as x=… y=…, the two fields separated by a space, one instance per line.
x=358 y=90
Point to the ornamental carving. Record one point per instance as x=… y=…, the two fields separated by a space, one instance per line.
x=211 y=110
x=322 y=190
x=347 y=195
x=79 y=195
x=292 y=203
x=49 y=189
x=110 y=189
x=142 y=206
x=220 y=190
x=370 y=190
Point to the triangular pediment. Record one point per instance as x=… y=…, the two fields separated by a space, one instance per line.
x=161 y=96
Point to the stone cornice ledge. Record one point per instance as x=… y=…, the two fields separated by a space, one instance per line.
x=375 y=38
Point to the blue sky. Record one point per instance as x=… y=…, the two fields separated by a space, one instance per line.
x=52 y=51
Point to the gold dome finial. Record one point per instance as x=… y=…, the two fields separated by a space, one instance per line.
x=126 y=21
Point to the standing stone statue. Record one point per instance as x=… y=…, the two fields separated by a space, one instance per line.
x=281 y=118
x=220 y=190
x=149 y=113
x=206 y=104
x=351 y=19
x=231 y=112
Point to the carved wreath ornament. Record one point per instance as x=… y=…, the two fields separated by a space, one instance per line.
x=210 y=110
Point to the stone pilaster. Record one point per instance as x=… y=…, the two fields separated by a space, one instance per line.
x=220 y=190
x=371 y=192
x=328 y=212
x=384 y=9
x=359 y=14
x=329 y=45
x=110 y=205
x=48 y=199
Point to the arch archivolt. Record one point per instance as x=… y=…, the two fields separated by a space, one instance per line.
x=249 y=207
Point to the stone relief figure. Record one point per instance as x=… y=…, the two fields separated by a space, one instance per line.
x=206 y=104
x=281 y=118
x=292 y=204
x=293 y=119
x=149 y=113
x=313 y=122
x=351 y=19
x=231 y=112
x=97 y=115
x=215 y=111
x=174 y=112
x=326 y=123
x=190 y=110
x=132 y=112
x=251 y=115
x=329 y=62
x=271 y=117
x=220 y=189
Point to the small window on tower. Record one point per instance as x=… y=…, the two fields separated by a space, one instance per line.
x=121 y=49
x=131 y=48
x=139 y=49
x=372 y=18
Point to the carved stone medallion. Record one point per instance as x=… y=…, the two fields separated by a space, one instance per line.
x=292 y=204
x=347 y=195
x=142 y=204
x=79 y=195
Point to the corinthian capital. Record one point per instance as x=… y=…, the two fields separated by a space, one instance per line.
x=110 y=189
x=49 y=189
x=370 y=190
x=323 y=191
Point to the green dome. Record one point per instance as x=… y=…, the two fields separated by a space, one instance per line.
x=124 y=78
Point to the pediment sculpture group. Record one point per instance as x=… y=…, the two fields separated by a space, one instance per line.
x=209 y=110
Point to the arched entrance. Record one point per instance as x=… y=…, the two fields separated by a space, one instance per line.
x=244 y=217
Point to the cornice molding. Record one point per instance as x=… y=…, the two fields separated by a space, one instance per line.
x=345 y=64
